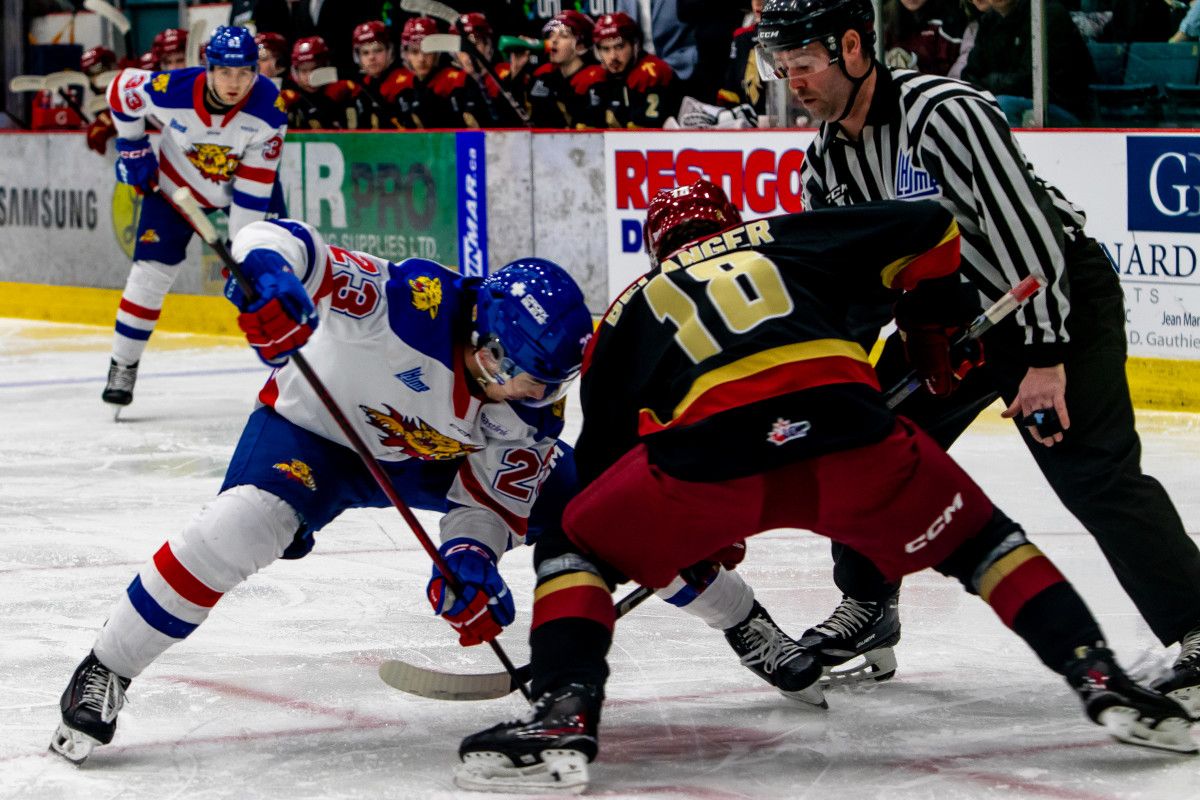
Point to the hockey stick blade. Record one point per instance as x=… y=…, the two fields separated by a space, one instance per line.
x=27 y=83
x=997 y=311
x=439 y=685
x=441 y=43
x=322 y=76
x=431 y=8
x=196 y=38
x=109 y=12
x=64 y=79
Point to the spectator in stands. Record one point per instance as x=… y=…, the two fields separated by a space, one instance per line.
x=559 y=95
x=639 y=90
x=924 y=35
x=1140 y=20
x=272 y=55
x=972 y=11
x=743 y=84
x=1189 y=28
x=713 y=25
x=332 y=20
x=671 y=39
x=1001 y=62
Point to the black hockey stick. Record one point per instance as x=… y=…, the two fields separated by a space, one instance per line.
x=441 y=685
x=997 y=311
x=189 y=209
x=433 y=8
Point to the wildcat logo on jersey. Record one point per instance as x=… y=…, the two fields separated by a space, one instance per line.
x=426 y=294
x=298 y=471
x=214 y=161
x=784 y=431
x=159 y=84
x=415 y=437
x=280 y=105
x=150 y=236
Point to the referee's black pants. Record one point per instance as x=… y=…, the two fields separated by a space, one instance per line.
x=1095 y=470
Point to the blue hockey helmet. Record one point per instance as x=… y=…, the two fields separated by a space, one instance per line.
x=532 y=318
x=232 y=46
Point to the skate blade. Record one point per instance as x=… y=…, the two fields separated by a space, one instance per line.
x=560 y=772
x=812 y=695
x=71 y=744
x=876 y=665
x=1126 y=725
x=1189 y=698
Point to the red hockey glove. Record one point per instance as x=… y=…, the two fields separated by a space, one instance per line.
x=729 y=557
x=929 y=318
x=98 y=133
x=486 y=605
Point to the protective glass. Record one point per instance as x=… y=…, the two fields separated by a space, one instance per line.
x=508 y=369
x=798 y=63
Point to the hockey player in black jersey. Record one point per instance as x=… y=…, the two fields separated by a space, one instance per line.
x=736 y=343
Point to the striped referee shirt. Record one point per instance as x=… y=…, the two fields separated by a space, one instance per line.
x=933 y=138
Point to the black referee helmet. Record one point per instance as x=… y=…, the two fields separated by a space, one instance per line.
x=790 y=24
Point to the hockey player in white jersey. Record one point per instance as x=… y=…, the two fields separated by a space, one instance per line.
x=454 y=383
x=222 y=136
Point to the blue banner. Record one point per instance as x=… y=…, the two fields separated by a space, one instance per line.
x=472 y=204
x=1164 y=183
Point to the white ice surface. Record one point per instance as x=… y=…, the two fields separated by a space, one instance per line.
x=276 y=695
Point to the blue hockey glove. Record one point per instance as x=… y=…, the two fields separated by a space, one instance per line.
x=136 y=164
x=486 y=605
x=282 y=317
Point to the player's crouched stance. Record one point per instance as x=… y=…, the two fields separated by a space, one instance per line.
x=753 y=360
x=454 y=384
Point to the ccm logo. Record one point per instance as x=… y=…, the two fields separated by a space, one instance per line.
x=935 y=529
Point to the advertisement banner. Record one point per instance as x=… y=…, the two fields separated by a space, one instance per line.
x=472 y=204
x=392 y=195
x=1141 y=193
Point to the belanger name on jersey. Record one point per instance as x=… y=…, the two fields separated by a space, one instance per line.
x=225 y=160
x=386 y=351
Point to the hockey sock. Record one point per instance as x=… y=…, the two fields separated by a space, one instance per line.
x=138 y=312
x=569 y=650
x=721 y=599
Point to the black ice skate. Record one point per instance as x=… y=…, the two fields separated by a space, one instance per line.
x=119 y=389
x=89 y=710
x=856 y=628
x=1132 y=714
x=776 y=658
x=547 y=752
x=1183 y=683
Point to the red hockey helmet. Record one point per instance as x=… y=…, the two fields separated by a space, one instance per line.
x=579 y=24
x=416 y=29
x=372 y=31
x=97 y=60
x=473 y=25
x=678 y=216
x=172 y=40
x=274 y=44
x=148 y=60
x=310 y=50
x=616 y=26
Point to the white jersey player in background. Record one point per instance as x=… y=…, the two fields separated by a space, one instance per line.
x=222 y=136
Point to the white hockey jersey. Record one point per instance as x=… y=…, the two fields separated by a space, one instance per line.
x=227 y=161
x=389 y=348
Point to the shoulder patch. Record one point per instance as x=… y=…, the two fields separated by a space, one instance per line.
x=544 y=69
x=159 y=82
x=426 y=294
x=587 y=77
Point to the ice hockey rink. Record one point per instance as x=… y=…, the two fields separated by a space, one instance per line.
x=277 y=696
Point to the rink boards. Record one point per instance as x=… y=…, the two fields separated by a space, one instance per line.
x=480 y=200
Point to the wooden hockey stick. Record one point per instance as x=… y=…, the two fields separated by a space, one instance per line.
x=195 y=41
x=189 y=209
x=432 y=8
x=322 y=76
x=440 y=685
x=109 y=12
x=27 y=83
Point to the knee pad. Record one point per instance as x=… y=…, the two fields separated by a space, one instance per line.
x=149 y=282
x=973 y=557
x=243 y=530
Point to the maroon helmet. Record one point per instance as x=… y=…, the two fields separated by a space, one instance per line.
x=616 y=26
x=172 y=40
x=416 y=29
x=310 y=50
x=274 y=44
x=148 y=60
x=678 y=216
x=372 y=31
x=97 y=60
x=473 y=25
x=577 y=23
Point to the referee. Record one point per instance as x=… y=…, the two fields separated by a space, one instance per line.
x=897 y=134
